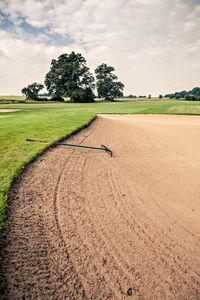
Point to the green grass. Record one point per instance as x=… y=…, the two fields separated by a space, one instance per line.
x=54 y=122
x=51 y=123
x=13 y=97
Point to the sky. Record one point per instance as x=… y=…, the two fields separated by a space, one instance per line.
x=154 y=45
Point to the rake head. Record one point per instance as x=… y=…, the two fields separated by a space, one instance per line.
x=107 y=150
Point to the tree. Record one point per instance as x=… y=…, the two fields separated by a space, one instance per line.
x=160 y=96
x=107 y=86
x=195 y=91
x=184 y=94
x=131 y=96
x=187 y=97
x=190 y=97
x=83 y=95
x=32 y=90
x=69 y=76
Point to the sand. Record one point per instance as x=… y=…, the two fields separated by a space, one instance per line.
x=83 y=225
x=8 y=110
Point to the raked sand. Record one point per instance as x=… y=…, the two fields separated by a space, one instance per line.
x=83 y=225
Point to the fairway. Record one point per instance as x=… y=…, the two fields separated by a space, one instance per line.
x=88 y=226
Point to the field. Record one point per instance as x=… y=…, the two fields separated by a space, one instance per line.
x=143 y=202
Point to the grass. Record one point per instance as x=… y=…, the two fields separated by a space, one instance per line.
x=54 y=122
x=46 y=123
x=13 y=97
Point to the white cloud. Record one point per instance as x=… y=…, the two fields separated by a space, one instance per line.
x=148 y=42
x=197 y=9
x=23 y=62
x=189 y=25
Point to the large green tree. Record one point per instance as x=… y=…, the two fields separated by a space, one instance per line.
x=107 y=85
x=32 y=90
x=69 y=76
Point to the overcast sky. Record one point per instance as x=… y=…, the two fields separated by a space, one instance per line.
x=154 y=45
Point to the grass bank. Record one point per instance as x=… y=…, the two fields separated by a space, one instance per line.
x=46 y=123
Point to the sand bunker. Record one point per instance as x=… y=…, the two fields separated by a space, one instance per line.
x=83 y=225
x=8 y=110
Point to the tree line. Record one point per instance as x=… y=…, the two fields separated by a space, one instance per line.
x=193 y=95
x=69 y=76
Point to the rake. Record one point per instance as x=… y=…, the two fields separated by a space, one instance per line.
x=73 y=145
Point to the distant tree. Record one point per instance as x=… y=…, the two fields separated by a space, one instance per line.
x=149 y=96
x=69 y=76
x=194 y=98
x=182 y=94
x=190 y=97
x=187 y=97
x=57 y=99
x=32 y=90
x=186 y=94
x=83 y=95
x=167 y=95
x=107 y=86
x=195 y=91
x=160 y=96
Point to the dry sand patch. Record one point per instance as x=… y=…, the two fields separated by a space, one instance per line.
x=8 y=110
x=83 y=225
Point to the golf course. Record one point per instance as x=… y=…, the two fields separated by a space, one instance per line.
x=77 y=223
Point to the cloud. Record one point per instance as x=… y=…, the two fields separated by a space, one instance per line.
x=23 y=62
x=148 y=42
